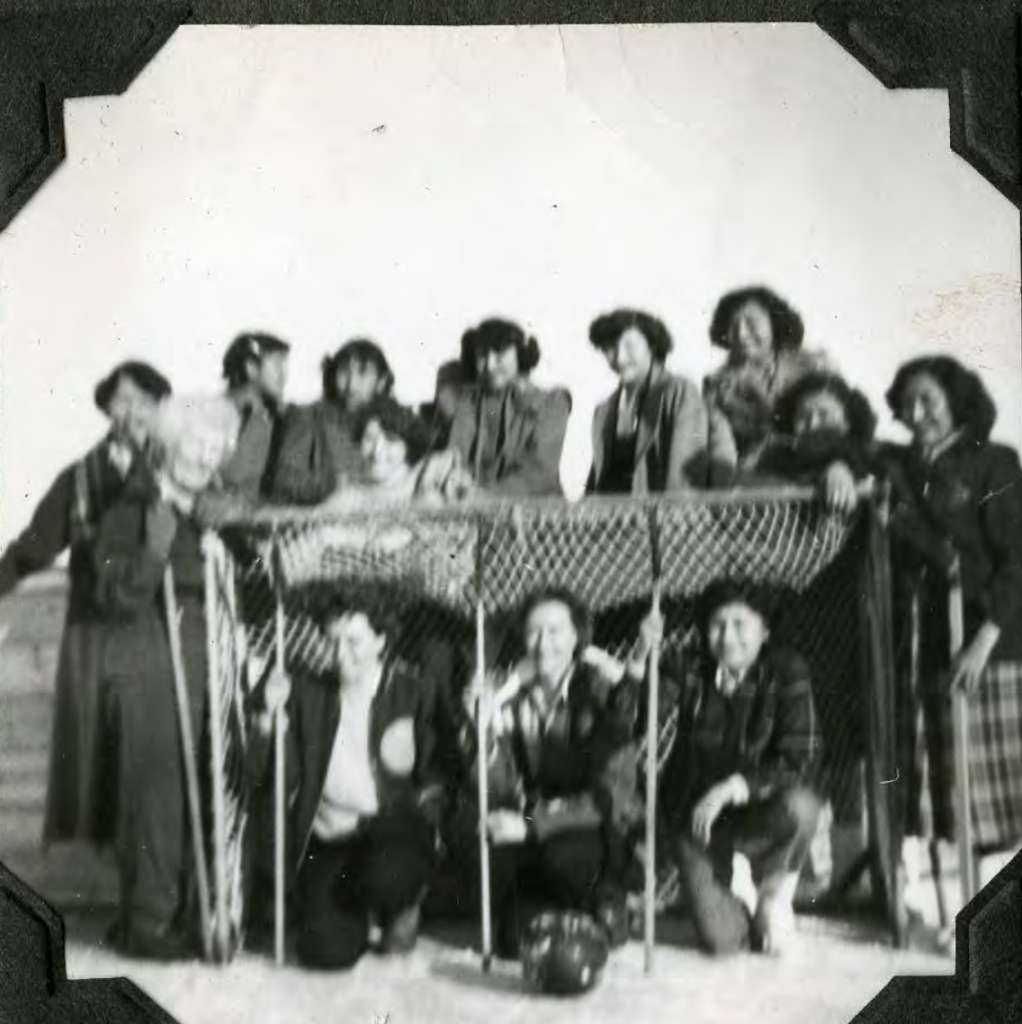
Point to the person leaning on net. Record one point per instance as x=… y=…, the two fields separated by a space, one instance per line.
x=562 y=775
x=824 y=438
x=396 y=464
x=508 y=432
x=736 y=808
x=364 y=790
x=318 y=454
x=655 y=434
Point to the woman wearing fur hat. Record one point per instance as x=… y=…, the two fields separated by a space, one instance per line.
x=737 y=781
x=508 y=433
x=655 y=434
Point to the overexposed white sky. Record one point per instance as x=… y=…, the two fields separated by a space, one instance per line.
x=321 y=182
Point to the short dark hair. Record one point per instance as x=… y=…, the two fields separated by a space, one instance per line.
x=450 y=374
x=557 y=594
x=496 y=335
x=396 y=420
x=145 y=377
x=246 y=347
x=787 y=324
x=381 y=612
x=730 y=590
x=605 y=331
x=862 y=420
x=972 y=408
x=358 y=350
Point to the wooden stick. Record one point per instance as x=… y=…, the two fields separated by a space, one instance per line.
x=960 y=725
x=922 y=755
x=652 y=743
x=652 y=738
x=279 y=795
x=189 y=755
x=482 y=720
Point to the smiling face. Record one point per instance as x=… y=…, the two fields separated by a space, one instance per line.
x=132 y=413
x=498 y=368
x=735 y=634
x=384 y=456
x=550 y=640
x=924 y=408
x=631 y=358
x=358 y=648
x=820 y=411
x=358 y=383
x=751 y=333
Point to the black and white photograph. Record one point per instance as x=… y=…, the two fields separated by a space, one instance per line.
x=506 y=522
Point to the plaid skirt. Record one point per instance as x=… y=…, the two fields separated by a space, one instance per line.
x=995 y=760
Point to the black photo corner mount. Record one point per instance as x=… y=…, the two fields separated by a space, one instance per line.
x=52 y=51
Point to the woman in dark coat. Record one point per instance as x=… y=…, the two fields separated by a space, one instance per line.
x=824 y=437
x=318 y=454
x=77 y=805
x=147 y=531
x=654 y=434
x=509 y=433
x=762 y=335
x=562 y=778
x=956 y=491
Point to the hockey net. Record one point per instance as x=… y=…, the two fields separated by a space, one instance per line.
x=436 y=566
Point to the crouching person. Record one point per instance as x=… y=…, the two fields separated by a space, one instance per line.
x=363 y=791
x=734 y=794
x=561 y=774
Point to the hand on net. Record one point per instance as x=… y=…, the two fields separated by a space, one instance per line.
x=840 y=494
x=506 y=827
x=275 y=697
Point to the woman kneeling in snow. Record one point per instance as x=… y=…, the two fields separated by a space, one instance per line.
x=736 y=779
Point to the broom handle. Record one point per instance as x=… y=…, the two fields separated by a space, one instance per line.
x=482 y=719
x=652 y=730
x=188 y=751
x=279 y=778
x=960 y=725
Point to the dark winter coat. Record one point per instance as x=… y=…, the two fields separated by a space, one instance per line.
x=529 y=443
x=315 y=707
x=317 y=454
x=67 y=518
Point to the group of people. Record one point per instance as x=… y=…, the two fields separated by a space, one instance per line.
x=381 y=759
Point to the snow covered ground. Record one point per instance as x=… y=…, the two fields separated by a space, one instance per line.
x=827 y=982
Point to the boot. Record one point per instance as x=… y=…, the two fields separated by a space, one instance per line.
x=774 y=924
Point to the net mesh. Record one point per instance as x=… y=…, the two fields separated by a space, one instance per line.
x=430 y=564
